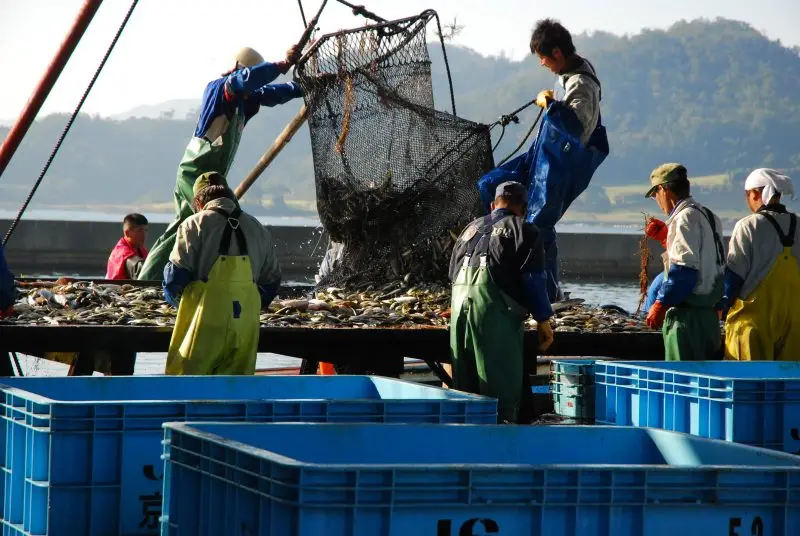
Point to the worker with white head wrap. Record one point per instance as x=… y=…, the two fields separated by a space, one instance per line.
x=762 y=278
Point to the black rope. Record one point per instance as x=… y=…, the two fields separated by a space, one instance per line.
x=512 y=116
x=502 y=133
x=446 y=63
x=302 y=13
x=524 y=140
x=360 y=10
x=69 y=125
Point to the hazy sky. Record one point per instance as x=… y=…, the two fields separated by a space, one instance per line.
x=172 y=48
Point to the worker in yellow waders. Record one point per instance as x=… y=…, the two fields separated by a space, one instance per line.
x=694 y=266
x=762 y=278
x=221 y=273
x=498 y=274
x=229 y=102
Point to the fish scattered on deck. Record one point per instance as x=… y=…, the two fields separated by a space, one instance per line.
x=400 y=304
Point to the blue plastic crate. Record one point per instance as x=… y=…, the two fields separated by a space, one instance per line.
x=573 y=388
x=576 y=371
x=756 y=403
x=576 y=401
x=395 y=479
x=83 y=455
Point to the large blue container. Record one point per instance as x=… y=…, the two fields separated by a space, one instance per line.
x=455 y=480
x=756 y=403
x=83 y=455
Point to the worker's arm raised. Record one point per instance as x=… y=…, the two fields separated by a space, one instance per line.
x=276 y=94
x=248 y=79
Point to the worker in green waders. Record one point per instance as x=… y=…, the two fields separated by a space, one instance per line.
x=498 y=274
x=221 y=273
x=694 y=271
x=229 y=102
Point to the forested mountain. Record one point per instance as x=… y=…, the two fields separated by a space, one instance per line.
x=716 y=95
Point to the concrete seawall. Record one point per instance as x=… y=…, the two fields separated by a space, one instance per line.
x=73 y=247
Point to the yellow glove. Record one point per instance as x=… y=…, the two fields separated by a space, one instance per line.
x=541 y=98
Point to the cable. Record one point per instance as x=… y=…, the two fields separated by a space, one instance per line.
x=360 y=10
x=302 y=13
x=502 y=133
x=69 y=125
x=446 y=63
x=524 y=140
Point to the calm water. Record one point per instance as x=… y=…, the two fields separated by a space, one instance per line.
x=625 y=295
x=164 y=217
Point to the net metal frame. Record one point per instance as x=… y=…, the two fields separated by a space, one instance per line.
x=395 y=178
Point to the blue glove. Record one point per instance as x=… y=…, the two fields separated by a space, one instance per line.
x=175 y=280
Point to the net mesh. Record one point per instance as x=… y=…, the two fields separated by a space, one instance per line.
x=395 y=178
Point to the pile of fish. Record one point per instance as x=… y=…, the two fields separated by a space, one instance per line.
x=572 y=316
x=399 y=304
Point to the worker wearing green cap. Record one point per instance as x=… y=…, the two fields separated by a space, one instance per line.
x=220 y=274
x=694 y=266
x=229 y=102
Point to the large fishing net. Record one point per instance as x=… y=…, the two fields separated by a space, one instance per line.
x=395 y=178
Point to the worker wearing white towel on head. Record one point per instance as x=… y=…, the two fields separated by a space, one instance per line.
x=762 y=278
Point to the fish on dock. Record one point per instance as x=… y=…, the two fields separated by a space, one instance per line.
x=398 y=304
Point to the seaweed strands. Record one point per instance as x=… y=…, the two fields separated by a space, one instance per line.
x=644 y=261
x=349 y=98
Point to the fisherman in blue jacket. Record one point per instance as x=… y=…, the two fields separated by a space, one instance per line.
x=570 y=146
x=229 y=102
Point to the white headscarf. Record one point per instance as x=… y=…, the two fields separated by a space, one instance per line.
x=772 y=181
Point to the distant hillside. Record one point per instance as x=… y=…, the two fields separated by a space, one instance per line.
x=716 y=95
x=171 y=109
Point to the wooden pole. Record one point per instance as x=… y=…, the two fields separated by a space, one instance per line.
x=277 y=146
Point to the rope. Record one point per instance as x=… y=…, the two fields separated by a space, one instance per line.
x=446 y=63
x=360 y=10
x=302 y=13
x=69 y=125
x=524 y=140
x=502 y=133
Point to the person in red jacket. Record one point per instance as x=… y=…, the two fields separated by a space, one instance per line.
x=128 y=255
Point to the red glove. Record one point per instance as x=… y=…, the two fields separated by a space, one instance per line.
x=655 y=317
x=7 y=313
x=656 y=230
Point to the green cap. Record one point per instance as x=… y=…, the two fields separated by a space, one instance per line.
x=664 y=174
x=210 y=178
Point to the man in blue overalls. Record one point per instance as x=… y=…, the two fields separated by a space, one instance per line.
x=570 y=146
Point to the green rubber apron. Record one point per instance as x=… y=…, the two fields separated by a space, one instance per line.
x=486 y=329
x=691 y=329
x=200 y=156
